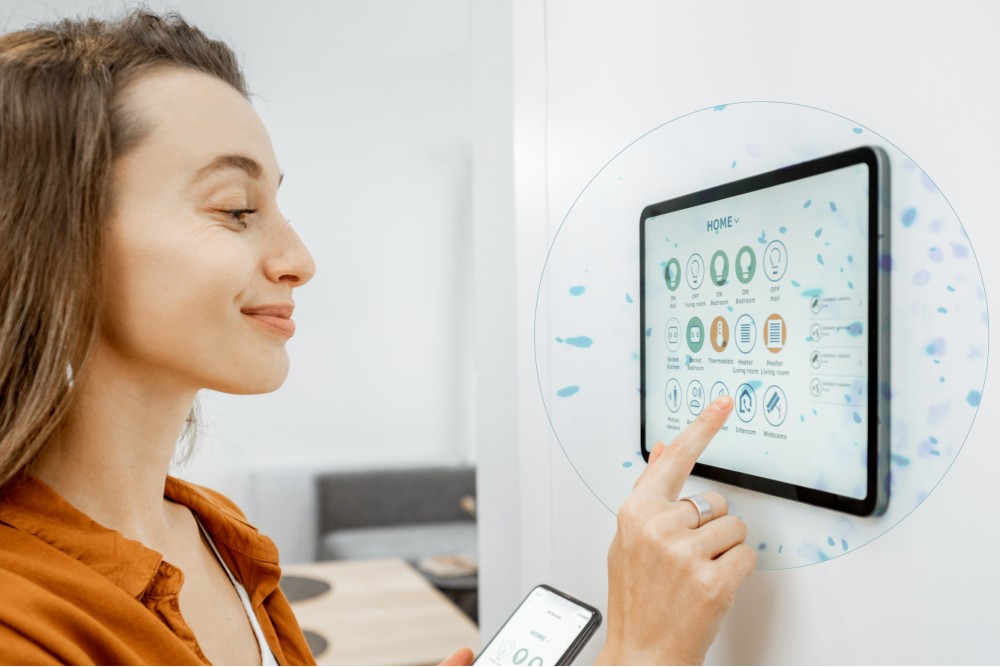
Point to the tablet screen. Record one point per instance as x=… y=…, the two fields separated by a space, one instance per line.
x=761 y=289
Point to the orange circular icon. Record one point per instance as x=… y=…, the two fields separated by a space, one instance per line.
x=775 y=333
x=718 y=333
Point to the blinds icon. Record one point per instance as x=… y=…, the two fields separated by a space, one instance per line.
x=746 y=333
x=774 y=333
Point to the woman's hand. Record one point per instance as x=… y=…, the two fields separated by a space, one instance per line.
x=669 y=581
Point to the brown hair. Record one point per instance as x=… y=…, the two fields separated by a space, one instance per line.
x=62 y=125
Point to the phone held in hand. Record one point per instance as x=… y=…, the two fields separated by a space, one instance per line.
x=548 y=628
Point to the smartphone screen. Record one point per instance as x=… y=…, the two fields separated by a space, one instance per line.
x=548 y=628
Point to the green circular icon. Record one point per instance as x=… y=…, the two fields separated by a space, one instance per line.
x=695 y=334
x=672 y=274
x=746 y=264
x=719 y=268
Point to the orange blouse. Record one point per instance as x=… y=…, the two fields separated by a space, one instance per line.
x=75 y=592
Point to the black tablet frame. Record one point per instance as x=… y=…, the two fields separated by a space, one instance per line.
x=877 y=492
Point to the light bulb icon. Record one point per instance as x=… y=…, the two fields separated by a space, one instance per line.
x=776 y=260
x=745 y=265
x=672 y=270
x=695 y=271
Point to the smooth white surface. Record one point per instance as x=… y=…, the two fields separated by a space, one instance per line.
x=924 y=592
x=510 y=240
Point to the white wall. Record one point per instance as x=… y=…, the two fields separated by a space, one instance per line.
x=368 y=105
x=920 y=73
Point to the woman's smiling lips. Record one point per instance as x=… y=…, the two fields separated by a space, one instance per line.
x=276 y=316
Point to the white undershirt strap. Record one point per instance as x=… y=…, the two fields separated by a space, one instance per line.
x=267 y=657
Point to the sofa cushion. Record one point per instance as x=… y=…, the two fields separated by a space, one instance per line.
x=367 y=498
x=409 y=542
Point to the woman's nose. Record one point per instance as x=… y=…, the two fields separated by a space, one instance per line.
x=292 y=264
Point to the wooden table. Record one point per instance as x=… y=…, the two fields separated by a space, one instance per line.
x=381 y=612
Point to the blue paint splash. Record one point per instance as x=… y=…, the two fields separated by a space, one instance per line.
x=833 y=207
x=942 y=309
x=815 y=291
x=829 y=540
x=720 y=107
x=559 y=339
x=729 y=308
x=566 y=392
x=580 y=341
x=577 y=290
x=960 y=250
x=628 y=298
x=733 y=165
x=819 y=232
x=808 y=203
x=783 y=229
x=900 y=460
x=627 y=464
x=950 y=288
x=850 y=285
x=755 y=384
x=972 y=399
x=937 y=347
x=854 y=329
x=909 y=215
x=935 y=255
x=819 y=258
x=762 y=239
x=885 y=262
x=761 y=546
x=796 y=283
x=843 y=544
x=856 y=417
x=649 y=332
x=857 y=130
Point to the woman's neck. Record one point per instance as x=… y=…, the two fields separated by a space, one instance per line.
x=111 y=456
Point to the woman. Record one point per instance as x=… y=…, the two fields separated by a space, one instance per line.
x=144 y=258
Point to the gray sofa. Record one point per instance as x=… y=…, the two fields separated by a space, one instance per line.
x=397 y=513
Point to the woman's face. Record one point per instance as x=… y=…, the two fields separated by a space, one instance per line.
x=200 y=264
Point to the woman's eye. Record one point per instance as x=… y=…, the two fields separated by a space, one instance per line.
x=240 y=215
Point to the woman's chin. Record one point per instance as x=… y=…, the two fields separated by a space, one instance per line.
x=259 y=380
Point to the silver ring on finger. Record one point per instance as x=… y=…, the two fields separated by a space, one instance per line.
x=703 y=507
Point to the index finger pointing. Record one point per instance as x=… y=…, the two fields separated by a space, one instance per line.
x=669 y=472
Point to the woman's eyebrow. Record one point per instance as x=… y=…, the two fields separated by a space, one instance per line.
x=232 y=161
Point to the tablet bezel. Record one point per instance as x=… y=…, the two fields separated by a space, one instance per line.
x=876 y=498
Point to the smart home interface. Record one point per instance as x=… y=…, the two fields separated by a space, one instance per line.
x=765 y=296
x=541 y=631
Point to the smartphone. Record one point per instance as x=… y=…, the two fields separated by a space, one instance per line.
x=548 y=628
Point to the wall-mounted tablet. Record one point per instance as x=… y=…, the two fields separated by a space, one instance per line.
x=772 y=289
